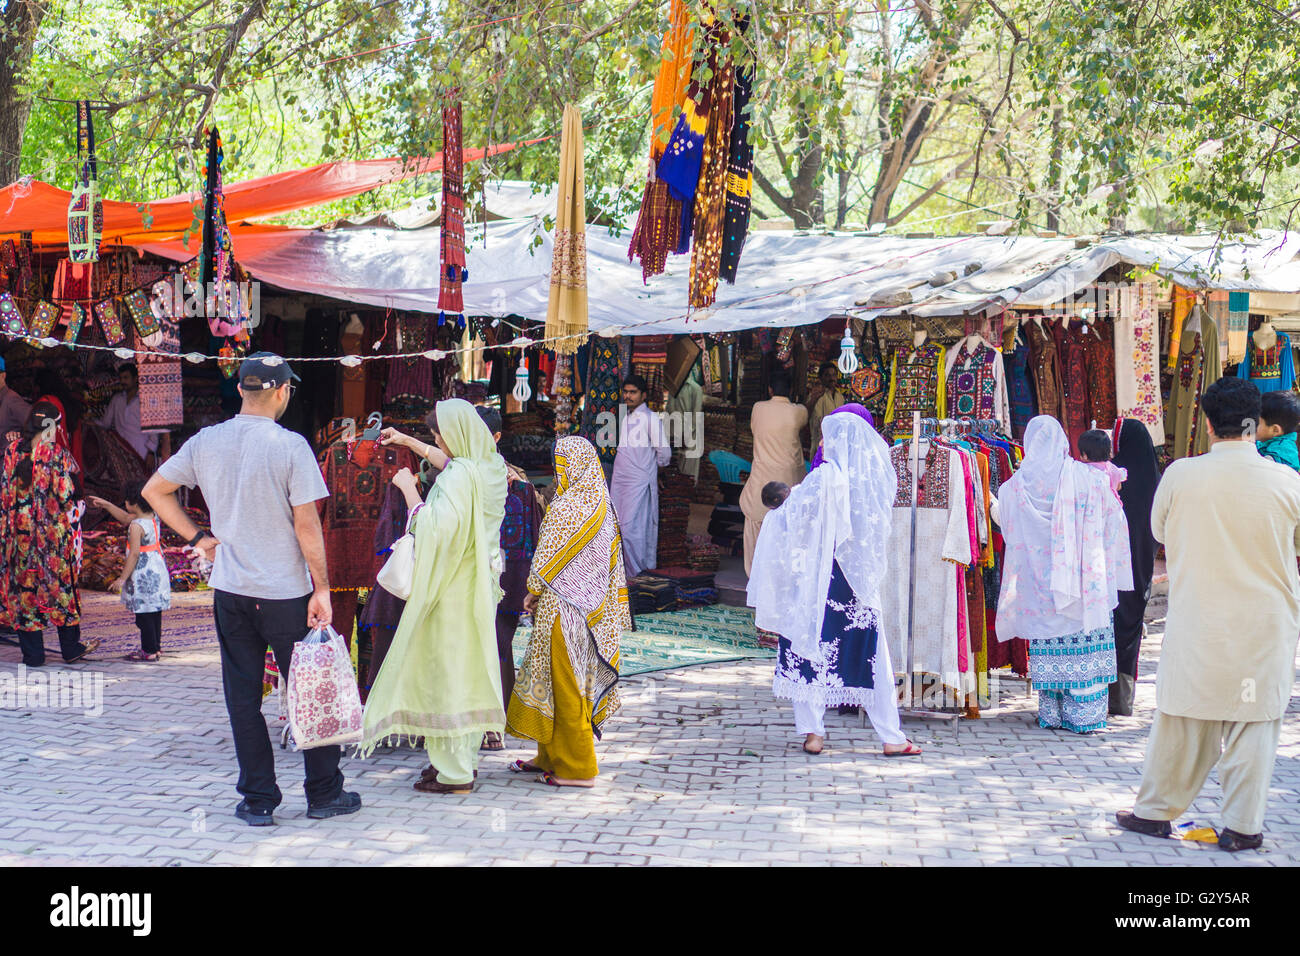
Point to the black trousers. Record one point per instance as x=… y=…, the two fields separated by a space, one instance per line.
x=507 y=622
x=246 y=627
x=150 y=625
x=32 y=644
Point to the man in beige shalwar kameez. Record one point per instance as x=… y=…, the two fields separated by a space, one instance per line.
x=778 y=454
x=1230 y=523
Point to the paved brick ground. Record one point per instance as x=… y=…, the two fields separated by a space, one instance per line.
x=701 y=766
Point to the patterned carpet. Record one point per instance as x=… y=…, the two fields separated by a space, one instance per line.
x=686 y=638
x=186 y=627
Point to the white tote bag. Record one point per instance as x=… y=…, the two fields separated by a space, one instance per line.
x=398 y=571
x=323 y=701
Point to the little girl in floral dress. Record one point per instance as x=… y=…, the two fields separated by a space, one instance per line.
x=145 y=583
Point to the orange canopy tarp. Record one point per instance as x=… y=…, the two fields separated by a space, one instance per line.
x=42 y=209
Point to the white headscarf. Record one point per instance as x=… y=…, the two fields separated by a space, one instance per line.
x=1066 y=538
x=840 y=512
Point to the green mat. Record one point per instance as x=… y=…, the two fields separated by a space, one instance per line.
x=686 y=638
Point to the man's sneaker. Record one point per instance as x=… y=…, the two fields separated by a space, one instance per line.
x=344 y=803
x=254 y=816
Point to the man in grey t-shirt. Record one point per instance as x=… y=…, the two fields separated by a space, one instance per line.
x=261 y=483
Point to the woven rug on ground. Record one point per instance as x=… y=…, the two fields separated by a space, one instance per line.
x=686 y=638
x=188 y=626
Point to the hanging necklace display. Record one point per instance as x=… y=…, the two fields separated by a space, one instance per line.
x=86 y=208
x=226 y=310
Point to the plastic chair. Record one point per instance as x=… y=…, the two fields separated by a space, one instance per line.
x=730 y=467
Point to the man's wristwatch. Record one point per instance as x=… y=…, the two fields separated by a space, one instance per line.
x=199 y=537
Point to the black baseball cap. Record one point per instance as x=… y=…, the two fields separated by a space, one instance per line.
x=263 y=370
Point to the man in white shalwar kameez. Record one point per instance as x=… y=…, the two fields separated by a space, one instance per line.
x=634 y=487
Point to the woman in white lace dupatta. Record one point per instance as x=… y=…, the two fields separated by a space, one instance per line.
x=818 y=569
x=1067 y=559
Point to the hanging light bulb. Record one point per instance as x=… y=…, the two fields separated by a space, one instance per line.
x=848 y=361
x=522 y=392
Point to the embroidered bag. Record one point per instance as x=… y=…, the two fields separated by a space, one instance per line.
x=137 y=304
x=11 y=320
x=76 y=320
x=44 y=318
x=110 y=321
x=323 y=701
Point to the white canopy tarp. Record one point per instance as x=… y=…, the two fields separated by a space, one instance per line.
x=785 y=278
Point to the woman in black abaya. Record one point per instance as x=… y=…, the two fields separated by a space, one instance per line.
x=1134 y=452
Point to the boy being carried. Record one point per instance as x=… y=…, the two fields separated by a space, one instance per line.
x=1279 y=416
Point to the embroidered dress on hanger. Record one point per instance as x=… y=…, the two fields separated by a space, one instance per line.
x=452 y=234
x=1099 y=359
x=1024 y=405
x=976 y=382
x=943 y=541
x=1045 y=368
x=916 y=382
x=1192 y=376
x=1272 y=369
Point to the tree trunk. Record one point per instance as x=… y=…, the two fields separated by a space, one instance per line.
x=1054 y=174
x=18 y=29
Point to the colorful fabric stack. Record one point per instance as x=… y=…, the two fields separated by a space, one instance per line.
x=693 y=588
x=702 y=554
x=649 y=594
x=674 y=515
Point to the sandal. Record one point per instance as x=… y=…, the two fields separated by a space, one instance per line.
x=549 y=779
x=141 y=657
x=820 y=747
x=431 y=773
x=89 y=648
x=492 y=741
x=912 y=750
x=433 y=786
x=523 y=766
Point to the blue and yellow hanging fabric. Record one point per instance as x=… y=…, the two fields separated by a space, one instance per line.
x=682 y=162
x=566 y=310
x=659 y=222
x=740 y=178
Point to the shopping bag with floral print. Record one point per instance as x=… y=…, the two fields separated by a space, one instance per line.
x=323 y=701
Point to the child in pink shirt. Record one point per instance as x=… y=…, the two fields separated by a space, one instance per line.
x=1094 y=446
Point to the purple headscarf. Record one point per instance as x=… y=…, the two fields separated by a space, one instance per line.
x=856 y=409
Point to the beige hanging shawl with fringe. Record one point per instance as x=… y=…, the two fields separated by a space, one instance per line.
x=566 y=313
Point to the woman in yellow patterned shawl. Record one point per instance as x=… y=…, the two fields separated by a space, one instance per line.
x=567 y=685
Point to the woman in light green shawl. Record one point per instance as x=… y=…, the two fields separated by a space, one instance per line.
x=441 y=680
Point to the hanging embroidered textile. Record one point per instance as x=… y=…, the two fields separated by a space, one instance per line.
x=659 y=221
x=11 y=320
x=76 y=321
x=451 y=300
x=604 y=392
x=110 y=322
x=710 y=210
x=916 y=382
x=1238 y=325
x=1198 y=369
x=216 y=258
x=1137 y=360
x=740 y=178
x=1021 y=390
x=86 y=208
x=161 y=403
x=1184 y=299
x=44 y=317
x=566 y=310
